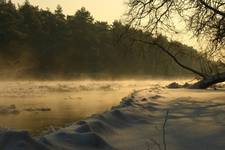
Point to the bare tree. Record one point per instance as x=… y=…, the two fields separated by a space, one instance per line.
x=206 y=20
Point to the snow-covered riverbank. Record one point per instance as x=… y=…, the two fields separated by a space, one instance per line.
x=196 y=121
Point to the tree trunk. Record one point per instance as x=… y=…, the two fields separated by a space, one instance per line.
x=209 y=81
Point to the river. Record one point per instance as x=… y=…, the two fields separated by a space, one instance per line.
x=42 y=106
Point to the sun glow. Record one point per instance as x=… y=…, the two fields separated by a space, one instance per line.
x=104 y=10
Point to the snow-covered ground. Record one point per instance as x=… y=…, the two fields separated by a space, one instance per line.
x=195 y=121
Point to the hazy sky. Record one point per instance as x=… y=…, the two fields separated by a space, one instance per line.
x=103 y=10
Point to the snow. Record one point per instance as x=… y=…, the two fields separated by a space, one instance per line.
x=196 y=121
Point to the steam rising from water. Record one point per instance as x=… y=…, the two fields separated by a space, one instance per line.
x=36 y=106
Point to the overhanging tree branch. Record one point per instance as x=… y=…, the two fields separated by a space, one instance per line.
x=205 y=18
x=217 y=11
x=172 y=56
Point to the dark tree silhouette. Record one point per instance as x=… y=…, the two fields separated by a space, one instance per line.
x=39 y=43
x=205 y=18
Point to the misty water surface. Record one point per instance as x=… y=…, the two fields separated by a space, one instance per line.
x=40 y=106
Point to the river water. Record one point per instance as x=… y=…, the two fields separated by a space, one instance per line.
x=40 y=106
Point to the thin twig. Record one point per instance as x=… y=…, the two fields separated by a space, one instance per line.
x=164 y=129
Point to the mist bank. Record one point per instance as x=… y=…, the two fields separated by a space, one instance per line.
x=36 y=43
x=12 y=76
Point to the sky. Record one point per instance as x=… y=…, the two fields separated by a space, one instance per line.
x=102 y=10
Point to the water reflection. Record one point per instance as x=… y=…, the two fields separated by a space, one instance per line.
x=37 y=106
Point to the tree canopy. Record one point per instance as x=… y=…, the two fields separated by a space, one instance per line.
x=41 y=43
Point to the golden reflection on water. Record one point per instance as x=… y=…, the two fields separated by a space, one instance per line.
x=36 y=106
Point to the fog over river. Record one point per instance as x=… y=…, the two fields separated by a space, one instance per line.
x=42 y=106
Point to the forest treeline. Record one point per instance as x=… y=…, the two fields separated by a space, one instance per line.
x=40 y=43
